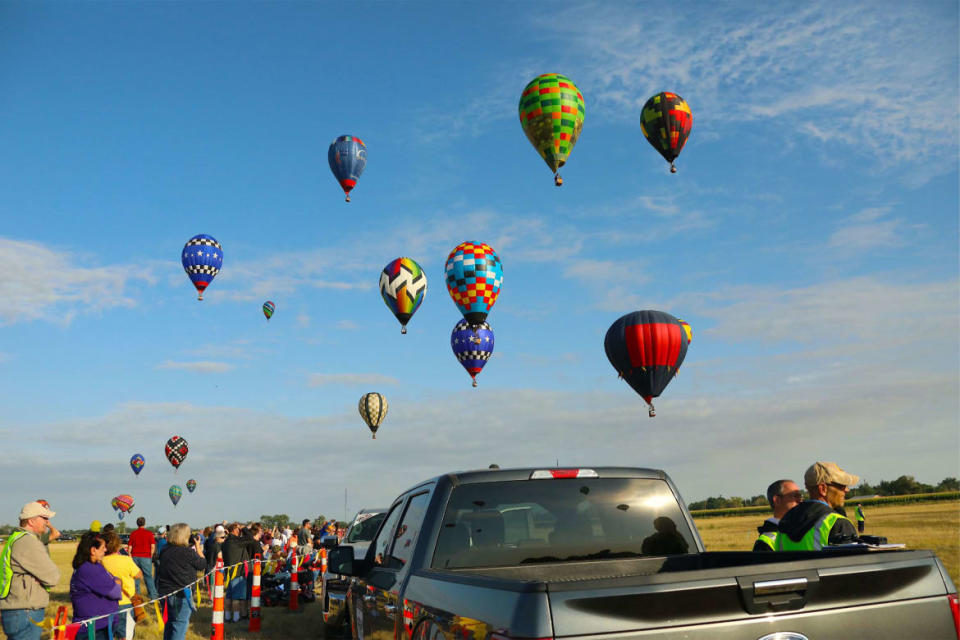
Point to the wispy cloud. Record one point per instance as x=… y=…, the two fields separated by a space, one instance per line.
x=202 y=366
x=349 y=379
x=38 y=282
x=791 y=66
x=870 y=229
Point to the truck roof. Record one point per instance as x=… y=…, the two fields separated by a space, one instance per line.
x=524 y=473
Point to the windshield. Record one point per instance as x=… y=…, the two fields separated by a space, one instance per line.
x=364 y=530
x=496 y=524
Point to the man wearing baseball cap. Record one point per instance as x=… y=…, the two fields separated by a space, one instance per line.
x=819 y=521
x=26 y=575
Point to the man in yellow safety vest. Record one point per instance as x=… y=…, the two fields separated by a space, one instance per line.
x=26 y=575
x=819 y=521
x=782 y=495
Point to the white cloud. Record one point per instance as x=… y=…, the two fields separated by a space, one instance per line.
x=303 y=320
x=350 y=379
x=820 y=69
x=202 y=366
x=347 y=325
x=871 y=229
x=41 y=283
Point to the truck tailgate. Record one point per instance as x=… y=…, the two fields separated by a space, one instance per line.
x=893 y=595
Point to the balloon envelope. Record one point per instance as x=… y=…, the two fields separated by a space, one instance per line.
x=137 y=462
x=403 y=284
x=347 y=157
x=176 y=451
x=646 y=348
x=191 y=485
x=474 y=274
x=473 y=346
x=268 y=309
x=373 y=409
x=551 y=114
x=202 y=259
x=122 y=503
x=175 y=494
x=666 y=121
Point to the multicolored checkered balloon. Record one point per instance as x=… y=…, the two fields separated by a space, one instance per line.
x=403 y=284
x=666 y=121
x=474 y=275
x=176 y=451
x=473 y=346
x=551 y=113
x=373 y=409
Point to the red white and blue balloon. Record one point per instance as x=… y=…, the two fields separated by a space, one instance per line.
x=473 y=346
x=202 y=259
x=347 y=157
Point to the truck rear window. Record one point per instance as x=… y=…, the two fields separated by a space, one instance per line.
x=497 y=524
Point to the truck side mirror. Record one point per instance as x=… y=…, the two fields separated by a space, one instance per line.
x=340 y=560
x=329 y=542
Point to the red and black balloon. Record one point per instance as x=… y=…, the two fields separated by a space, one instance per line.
x=176 y=451
x=646 y=348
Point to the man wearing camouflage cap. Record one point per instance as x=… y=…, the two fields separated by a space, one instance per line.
x=819 y=521
x=26 y=575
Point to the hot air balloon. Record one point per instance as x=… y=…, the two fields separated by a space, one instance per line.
x=347 y=156
x=687 y=330
x=176 y=450
x=120 y=516
x=646 y=348
x=403 y=284
x=551 y=114
x=268 y=309
x=474 y=275
x=122 y=503
x=175 y=494
x=137 y=462
x=473 y=346
x=191 y=485
x=666 y=121
x=373 y=409
x=202 y=259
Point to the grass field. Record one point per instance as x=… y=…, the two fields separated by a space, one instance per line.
x=930 y=525
x=933 y=526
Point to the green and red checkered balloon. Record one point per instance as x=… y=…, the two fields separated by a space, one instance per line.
x=551 y=113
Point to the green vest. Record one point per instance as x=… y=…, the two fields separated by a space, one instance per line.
x=814 y=540
x=6 y=567
x=769 y=538
x=860 y=517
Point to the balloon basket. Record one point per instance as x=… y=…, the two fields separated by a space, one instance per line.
x=403 y=330
x=652 y=412
x=557 y=180
x=673 y=169
x=474 y=383
x=200 y=296
x=348 y=198
x=374 y=437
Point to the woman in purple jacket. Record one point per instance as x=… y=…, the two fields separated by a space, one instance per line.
x=93 y=591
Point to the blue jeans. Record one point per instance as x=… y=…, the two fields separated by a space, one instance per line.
x=146 y=565
x=178 y=618
x=17 y=625
x=120 y=621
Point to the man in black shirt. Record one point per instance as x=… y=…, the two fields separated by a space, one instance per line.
x=235 y=551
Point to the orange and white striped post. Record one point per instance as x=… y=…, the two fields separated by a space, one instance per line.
x=255 y=596
x=217 y=616
x=323 y=560
x=295 y=585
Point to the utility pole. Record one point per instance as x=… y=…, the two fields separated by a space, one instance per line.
x=344 y=504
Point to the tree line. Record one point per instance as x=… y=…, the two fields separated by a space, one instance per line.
x=904 y=485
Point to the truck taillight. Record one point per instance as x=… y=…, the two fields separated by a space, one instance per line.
x=547 y=474
x=955 y=610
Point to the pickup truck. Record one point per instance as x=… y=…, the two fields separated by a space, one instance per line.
x=575 y=553
x=334 y=586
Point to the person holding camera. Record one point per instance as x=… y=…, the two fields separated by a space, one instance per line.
x=180 y=560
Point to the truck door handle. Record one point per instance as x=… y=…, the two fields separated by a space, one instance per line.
x=777 y=593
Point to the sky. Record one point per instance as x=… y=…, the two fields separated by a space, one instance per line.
x=810 y=238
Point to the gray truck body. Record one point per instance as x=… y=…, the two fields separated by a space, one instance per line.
x=843 y=593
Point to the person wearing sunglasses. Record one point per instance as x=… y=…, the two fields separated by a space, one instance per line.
x=782 y=495
x=26 y=575
x=819 y=521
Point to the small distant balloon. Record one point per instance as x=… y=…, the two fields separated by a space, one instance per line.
x=373 y=409
x=403 y=284
x=191 y=485
x=473 y=346
x=202 y=259
x=347 y=157
x=268 y=309
x=175 y=494
x=176 y=451
x=137 y=462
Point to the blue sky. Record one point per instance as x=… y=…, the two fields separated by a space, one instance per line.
x=810 y=238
